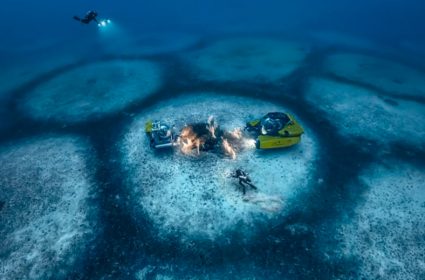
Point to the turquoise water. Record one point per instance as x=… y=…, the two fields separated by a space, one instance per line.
x=84 y=196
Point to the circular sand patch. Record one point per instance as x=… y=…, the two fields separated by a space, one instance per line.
x=380 y=73
x=358 y=112
x=193 y=196
x=386 y=232
x=45 y=212
x=92 y=91
x=247 y=59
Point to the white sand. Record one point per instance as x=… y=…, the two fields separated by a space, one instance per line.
x=192 y=197
x=383 y=74
x=247 y=59
x=46 y=218
x=92 y=91
x=358 y=112
x=387 y=231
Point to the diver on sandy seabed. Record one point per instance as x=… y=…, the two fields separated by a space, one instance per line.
x=90 y=16
x=243 y=179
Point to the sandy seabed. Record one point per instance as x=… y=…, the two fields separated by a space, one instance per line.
x=47 y=214
x=194 y=197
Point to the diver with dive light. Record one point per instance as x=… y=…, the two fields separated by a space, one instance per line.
x=92 y=16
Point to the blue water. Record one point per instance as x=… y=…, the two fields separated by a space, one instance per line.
x=390 y=21
x=41 y=44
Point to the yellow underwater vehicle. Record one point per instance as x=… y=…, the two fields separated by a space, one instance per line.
x=160 y=134
x=275 y=130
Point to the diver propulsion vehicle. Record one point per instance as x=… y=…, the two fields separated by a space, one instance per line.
x=275 y=130
x=160 y=134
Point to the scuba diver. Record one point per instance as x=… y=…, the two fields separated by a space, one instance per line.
x=243 y=179
x=90 y=16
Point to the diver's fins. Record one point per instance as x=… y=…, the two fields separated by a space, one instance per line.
x=76 y=18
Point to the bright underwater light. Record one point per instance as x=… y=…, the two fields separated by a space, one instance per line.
x=104 y=22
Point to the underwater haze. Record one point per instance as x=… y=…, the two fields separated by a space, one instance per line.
x=124 y=132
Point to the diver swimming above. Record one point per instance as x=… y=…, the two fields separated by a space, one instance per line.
x=90 y=16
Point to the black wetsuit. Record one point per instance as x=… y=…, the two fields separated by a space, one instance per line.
x=90 y=16
x=243 y=179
